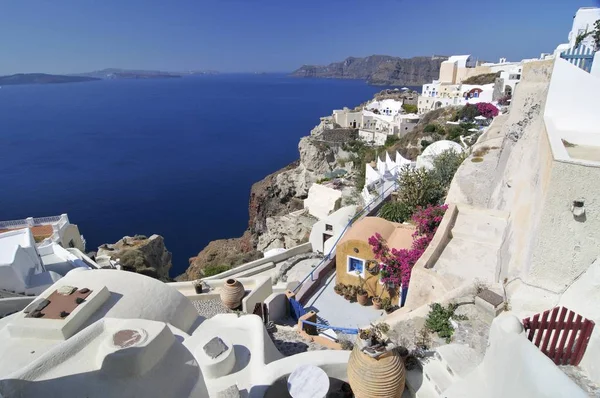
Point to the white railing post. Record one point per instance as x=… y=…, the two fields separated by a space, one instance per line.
x=29 y=221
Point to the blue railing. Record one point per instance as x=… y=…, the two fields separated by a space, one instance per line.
x=336 y=328
x=358 y=215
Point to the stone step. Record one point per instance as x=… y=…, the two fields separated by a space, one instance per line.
x=479 y=264
x=254 y=271
x=436 y=373
x=479 y=228
x=459 y=359
x=418 y=385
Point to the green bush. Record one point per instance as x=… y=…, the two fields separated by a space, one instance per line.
x=409 y=108
x=391 y=140
x=468 y=112
x=132 y=259
x=215 y=269
x=420 y=188
x=445 y=166
x=438 y=320
x=431 y=128
x=453 y=133
x=425 y=144
x=395 y=211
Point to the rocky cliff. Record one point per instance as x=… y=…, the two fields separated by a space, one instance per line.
x=273 y=198
x=147 y=256
x=378 y=69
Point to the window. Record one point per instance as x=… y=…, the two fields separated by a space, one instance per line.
x=328 y=227
x=356 y=265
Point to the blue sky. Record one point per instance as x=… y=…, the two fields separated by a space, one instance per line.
x=69 y=36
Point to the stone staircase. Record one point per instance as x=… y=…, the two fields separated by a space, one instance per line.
x=447 y=365
x=478 y=232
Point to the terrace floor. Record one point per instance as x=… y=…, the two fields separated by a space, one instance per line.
x=334 y=310
x=584 y=152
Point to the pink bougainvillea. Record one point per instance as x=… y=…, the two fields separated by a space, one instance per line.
x=487 y=110
x=396 y=264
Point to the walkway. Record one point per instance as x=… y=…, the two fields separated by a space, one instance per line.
x=333 y=309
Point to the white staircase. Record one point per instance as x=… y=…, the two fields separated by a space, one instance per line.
x=447 y=365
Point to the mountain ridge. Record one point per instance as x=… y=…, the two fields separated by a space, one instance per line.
x=378 y=70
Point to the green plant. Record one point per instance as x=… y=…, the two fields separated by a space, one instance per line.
x=410 y=108
x=322 y=180
x=425 y=143
x=423 y=338
x=211 y=270
x=453 y=133
x=391 y=140
x=468 y=112
x=433 y=128
x=346 y=345
x=445 y=166
x=395 y=211
x=438 y=320
x=420 y=188
x=386 y=302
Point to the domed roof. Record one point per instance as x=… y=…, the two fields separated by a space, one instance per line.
x=434 y=150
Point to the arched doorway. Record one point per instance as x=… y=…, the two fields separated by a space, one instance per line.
x=508 y=90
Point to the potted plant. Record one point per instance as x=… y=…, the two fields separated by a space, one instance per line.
x=339 y=289
x=361 y=294
x=198 y=285
x=349 y=293
x=364 y=336
x=376 y=370
x=385 y=303
x=376 y=302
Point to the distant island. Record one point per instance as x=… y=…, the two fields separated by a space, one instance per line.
x=115 y=73
x=378 y=70
x=41 y=78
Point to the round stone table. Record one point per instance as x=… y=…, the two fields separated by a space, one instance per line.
x=308 y=381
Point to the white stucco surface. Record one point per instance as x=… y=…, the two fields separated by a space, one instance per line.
x=333 y=225
x=513 y=367
x=322 y=200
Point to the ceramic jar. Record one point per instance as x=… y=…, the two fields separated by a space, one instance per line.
x=232 y=293
x=381 y=377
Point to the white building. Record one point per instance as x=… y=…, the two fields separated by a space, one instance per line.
x=55 y=229
x=583 y=22
x=29 y=269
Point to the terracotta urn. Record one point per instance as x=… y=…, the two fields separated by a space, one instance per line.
x=376 y=303
x=232 y=293
x=363 y=298
x=381 y=377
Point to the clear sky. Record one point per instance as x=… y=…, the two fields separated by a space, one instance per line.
x=69 y=36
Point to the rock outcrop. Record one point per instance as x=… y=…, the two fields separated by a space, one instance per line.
x=229 y=252
x=147 y=256
x=379 y=70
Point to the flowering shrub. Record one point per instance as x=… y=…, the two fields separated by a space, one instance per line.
x=428 y=219
x=487 y=110
x=396 y=265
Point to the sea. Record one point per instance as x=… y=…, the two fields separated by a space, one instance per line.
x=174 y=157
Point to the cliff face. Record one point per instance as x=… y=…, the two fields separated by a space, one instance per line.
x=272 y=199
x=147 y=256
x=378 y=69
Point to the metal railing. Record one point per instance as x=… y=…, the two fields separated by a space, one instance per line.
x=375 y=202
x=336 y=328
x=23 y=222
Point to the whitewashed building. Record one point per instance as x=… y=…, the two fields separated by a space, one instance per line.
x=57 y=229
x=583 y=22
x=29 y=269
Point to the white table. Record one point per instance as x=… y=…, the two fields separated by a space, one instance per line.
x=308 y=381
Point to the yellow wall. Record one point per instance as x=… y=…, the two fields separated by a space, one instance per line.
x=448 y=72
x=372 y=285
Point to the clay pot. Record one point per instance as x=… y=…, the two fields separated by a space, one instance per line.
x=376 y=303
x=232 y=293
x=383 y=377
x=362 y=299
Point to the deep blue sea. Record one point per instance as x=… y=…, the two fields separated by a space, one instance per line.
x=175 y=157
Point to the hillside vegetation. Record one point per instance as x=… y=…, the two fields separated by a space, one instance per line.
x=486 y=78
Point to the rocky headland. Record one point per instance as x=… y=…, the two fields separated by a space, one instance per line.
x=378 y=70
x=147 y=256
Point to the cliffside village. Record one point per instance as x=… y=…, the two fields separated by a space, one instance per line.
x=469 y=270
